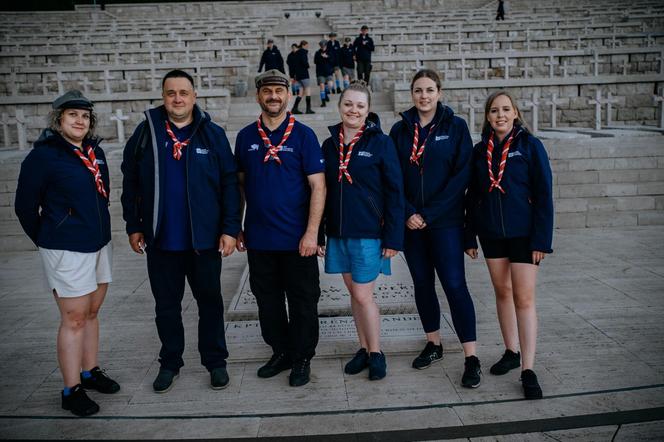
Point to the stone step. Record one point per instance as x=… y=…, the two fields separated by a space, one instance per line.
x=610 y=218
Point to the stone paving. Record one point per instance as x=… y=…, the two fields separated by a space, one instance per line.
x=600 y=361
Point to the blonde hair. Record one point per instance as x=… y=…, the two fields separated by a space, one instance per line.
x=358 y=86
x=486 y=126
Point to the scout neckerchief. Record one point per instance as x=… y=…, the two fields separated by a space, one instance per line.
x=177 y=144
x=91 y=164
x=343 y=162
x=272 y=151
x=495 y=183
x=417 y=153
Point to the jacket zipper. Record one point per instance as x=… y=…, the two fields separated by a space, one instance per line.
x=341 y=205
x=500 y=207
x=63 y=219
x=373 y=205
x=186 y=177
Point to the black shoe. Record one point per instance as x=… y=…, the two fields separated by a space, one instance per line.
x=327 y=98
x=276 y=364
x=78 y=402
x=338 y=90
x=359 y=362
x=164 y=380
x=531 y=388
x=299 y=375
x=219 y=378
x=296 y=111
x=377 y=366
x=431 y=353
x=471 y=372
x=323 y=104
x=100 y=382
x=309 y=111
x=509 y=361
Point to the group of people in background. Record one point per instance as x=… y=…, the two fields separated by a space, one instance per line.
x=335 y=65
x=357 y=201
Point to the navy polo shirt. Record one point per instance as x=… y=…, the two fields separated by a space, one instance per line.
x=277 y=195
x=175 y=230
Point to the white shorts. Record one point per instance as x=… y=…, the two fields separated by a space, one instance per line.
x=74 y=274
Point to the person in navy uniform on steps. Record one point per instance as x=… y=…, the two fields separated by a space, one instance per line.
x=334 y=50
x=290 y=61
x=363 y=216
x=510 y=208
x=324 y=72
x=434 y=148
x=62 y=205
x=363 y=46
x=280 y=168
x=181 y=205
x=347 y=61
x=301 y=72
x=271 y=58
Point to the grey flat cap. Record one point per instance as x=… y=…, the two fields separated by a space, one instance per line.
x=273 y=76
x=73 y=99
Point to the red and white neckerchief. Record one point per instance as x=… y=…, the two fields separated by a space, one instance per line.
x=91 y=164
x=273 y=151
x=177 y=144
x=495 y=183
x=343 y=161
x=417 y=153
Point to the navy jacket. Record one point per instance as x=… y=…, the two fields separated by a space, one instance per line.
x=272 y=59
x=57 y=202
x=324 y=65
x=364 y=46
x=334 y=49
x=373 y=206
x=346 y=56
x=212 y=189
x=301 y=65
x=435 y=189
x=526 y=207
x=290 y=61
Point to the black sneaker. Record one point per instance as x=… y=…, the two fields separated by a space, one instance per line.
x=377 y=366
x=338 y=90
x=431 y=353
x=296 y=111
x=309 y=111
x=164 y=380
x=471 y=372
x=78 y=402
x=299 y=375
x=219 y=378
x=276 y=364
x=323 y=104
x=100 y=382
x=509 y=361
x=531 y=388
x=359 y=362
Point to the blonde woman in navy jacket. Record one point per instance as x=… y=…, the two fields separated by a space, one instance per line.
x=510 y=209
x=434 y=148
x=363 y=216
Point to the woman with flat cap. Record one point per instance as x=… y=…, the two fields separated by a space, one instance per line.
x=62 y=204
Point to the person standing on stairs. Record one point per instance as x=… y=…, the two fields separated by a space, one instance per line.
x=301 y=71
x=290 y=61
x=271 y=58
x=363 y=46
x=324 y=71
x=334 y=50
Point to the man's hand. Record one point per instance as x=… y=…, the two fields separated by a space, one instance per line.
x=240 y=245
x=309 y=244
x=389 y=253
x=416 y=222
x=226 y=245
x=137 y=242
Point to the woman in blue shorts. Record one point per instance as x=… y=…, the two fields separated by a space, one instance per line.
x=510 y=208
x=62 y=204
x=363 y=216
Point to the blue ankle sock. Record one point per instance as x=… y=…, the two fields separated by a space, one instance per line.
x=346 y=84
x=322 y=95
x=66 y=391
x=86 y=374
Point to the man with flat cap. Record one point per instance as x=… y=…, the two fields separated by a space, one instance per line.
x=281 y=175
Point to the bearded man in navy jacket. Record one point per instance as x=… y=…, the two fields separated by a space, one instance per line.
x=181 y=204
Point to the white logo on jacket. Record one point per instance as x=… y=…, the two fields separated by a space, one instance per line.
x=364 y=153
x=253 y=147
x=516 y=153
x=202 y=150
x=100 y=161
x=442 y=137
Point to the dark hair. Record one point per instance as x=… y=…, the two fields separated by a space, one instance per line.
x=364 y=27
x=486 y=126
x=303 y=42
x=359 y=86
x=55 y=118
x=177 y=73
x=294 y=45
x=426 y=73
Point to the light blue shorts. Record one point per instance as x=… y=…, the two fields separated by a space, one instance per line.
x=361 y=257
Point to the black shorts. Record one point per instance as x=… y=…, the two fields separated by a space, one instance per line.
x=515 y=249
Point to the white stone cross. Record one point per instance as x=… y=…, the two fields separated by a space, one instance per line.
x=625 y=66
x=609 y=101
x=578 y=43
x=564 y=68
x=86 y=83
x=44 y=85
x=59 y=78
x=554 y=101
x=526 y=68
x=494 y=45
x=4 y=120
x=119 y=119
x=81 y=59
x=659 y=98
x=596 y=61
x=153 y=78
x=152 y=56
x=472 y=106
x=661 y=62
x=107 y=81
x=116 y=57
x=13 y=83
x=197 y=74
x=487 y=70
x=551 y=63
x=506 y=63
x=463 y=67
x=49 y=62
x=209 y=79
x=129 y=81
x=597 y=101
x=20 y=129
x=534 y=105
x=404 y=74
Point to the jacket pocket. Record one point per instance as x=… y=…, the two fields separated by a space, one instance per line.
x=375 y=209
x=62 y=221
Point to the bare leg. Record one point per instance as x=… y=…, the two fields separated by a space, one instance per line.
x=524 y=277
x=91 y=332
x=469 y=348
x=73 y=316
x=367 y=313
x=499 y=269
x=355 y=309
x=434 y=337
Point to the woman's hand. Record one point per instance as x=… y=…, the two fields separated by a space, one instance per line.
x=538 y=256
x=321 y=251
x=472 y=253
x=389 y=253
x=416 y=222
